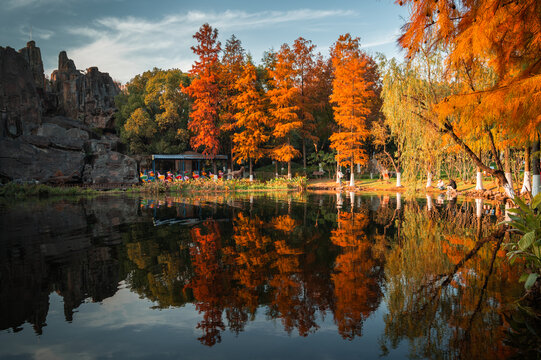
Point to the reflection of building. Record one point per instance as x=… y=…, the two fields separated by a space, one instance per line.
x=188 y=161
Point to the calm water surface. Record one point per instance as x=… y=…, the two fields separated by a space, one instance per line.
x=268 y=276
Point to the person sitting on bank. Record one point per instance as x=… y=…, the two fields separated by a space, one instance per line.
x=451 y=185
x=441 y=185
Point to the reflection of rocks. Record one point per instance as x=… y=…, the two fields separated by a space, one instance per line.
x=55 y=148
x=68 y=247
x=108 y=212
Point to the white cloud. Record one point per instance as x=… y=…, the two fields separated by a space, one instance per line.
x=128 y=46
x=36 y=32
x=16 y=4
x=384 y=40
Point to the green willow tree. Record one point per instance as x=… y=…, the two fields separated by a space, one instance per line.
x=408 y=92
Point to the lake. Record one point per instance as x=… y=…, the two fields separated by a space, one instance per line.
x=255 y=276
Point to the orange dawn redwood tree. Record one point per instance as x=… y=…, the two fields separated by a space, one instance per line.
x=251 y=118
x=352 y=96
x=231 y=68
x=304 y=66
x=205 y=92
x=284 y=110
x=480 y=36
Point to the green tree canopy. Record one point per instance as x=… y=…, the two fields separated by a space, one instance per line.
x=153 y=113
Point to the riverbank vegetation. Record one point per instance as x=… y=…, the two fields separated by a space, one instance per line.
x=205 y=185
x=21 y=191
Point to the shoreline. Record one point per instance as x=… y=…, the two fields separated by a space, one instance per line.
x=23 y=191
x=492 y=190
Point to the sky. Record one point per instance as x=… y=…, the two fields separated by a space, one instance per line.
x=128 y=37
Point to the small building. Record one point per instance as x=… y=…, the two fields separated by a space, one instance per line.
x=189 y=161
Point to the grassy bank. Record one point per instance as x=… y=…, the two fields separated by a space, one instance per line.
x=375 y=185
x=206 y=185
x=20 y=191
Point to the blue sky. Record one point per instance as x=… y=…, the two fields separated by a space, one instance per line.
x=126 y=37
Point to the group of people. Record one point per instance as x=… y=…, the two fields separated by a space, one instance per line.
x=451 y=186
x=150 y=176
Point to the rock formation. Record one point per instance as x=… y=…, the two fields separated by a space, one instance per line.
x=32 y=55
x=64 y=145
x=89 y=96
x=19 y=101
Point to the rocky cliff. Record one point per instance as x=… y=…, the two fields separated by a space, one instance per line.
x=20 y=104
x=50 y=132
x=88 y=96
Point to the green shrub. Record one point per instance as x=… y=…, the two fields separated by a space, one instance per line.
x=526 y=221
x=298 y=183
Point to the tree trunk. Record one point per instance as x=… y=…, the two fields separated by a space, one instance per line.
x=251 y=171
x=232 y=158
x=507 y=166
x=398 y=179
x=479 y=182
x=276 y=168
x=429 y=179
x=304 y=154
x=527 y=184
x=448 y=129
x=289 y=170
x=337 y=172
x=479 y=208
x=536 y=181
x=352 y=174
x=429 y=203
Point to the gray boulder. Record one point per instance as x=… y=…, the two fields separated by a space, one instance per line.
x=51 y=130
x=76 y=133
x=25 y=161
x=111 y=167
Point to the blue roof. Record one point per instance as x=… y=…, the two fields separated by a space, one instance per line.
x=188 y=157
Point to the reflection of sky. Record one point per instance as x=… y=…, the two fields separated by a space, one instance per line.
x=126 y=326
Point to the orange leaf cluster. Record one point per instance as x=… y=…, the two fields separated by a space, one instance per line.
x=251 y=117
x=353 y=97
x=204 y=90
x=483 y=36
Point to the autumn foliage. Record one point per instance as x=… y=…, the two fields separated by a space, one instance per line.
x=493 y=60
x=250 y=119
x=284 y=107
x=205 y=92
x=352 y=95
x=469 y=88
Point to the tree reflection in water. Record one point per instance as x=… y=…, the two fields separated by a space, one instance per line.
x=297 y=258
x=448 y=286
x=446 y=279
x=356 y=278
